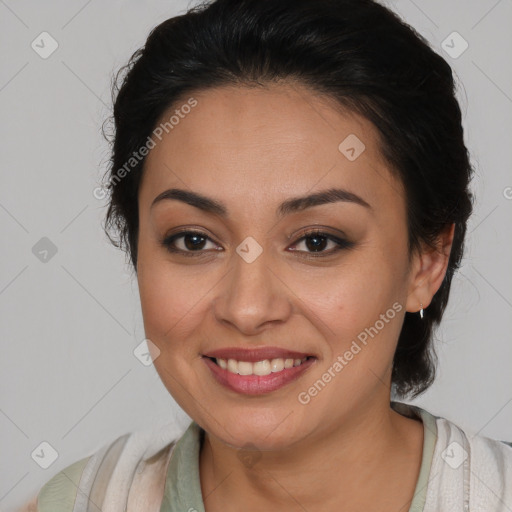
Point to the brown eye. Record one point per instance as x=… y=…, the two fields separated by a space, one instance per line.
x=316 y=242
x=186 y=242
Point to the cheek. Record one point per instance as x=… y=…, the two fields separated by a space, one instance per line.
x=354 y=293
x=167 y=302
x=174 y=300
x=359 y=314
x=167 y=308
x=171 y=309
x=357 y=302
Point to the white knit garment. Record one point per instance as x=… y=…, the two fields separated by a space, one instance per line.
x=469 y=473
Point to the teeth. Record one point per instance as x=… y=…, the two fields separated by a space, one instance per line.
x=265 y=367
x=244 y=368
x=261 y=367
x=277 y=365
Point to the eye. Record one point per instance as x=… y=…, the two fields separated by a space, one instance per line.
x=187 y=243
x=192 y=243
x=316 y=241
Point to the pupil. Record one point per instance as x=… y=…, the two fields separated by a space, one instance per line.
x=317 y=244
x=193 y=245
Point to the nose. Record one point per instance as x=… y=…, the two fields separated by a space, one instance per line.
x=252 y=296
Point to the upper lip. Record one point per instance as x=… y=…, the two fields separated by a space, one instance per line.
x=255 y=354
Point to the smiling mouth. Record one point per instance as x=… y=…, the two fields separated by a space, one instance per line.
x=260 y=368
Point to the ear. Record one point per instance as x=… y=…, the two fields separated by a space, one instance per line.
x=428 y=269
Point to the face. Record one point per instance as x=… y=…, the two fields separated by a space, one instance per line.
x=327 y=280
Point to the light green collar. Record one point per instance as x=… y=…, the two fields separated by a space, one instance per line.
x=429 y=442
x=182 y=486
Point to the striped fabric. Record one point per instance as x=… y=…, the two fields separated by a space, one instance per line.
x=158 y=471
x=128 y=474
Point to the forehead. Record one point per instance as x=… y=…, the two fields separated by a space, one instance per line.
x=262 y=144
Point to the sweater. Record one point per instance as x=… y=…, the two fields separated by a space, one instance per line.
x=158 y=471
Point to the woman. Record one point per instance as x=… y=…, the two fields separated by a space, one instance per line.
x=290 y=181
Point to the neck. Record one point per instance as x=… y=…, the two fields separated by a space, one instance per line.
x=352 y=464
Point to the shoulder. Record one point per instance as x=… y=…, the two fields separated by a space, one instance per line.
x=470 y=469
x=132 y=467
x=480 y=451
x=491 y=473
x=60 y=492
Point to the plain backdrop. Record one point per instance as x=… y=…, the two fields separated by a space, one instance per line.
x=70 y=313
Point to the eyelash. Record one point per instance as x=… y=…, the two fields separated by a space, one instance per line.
x=341 y=243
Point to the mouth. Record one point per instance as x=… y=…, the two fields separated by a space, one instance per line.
x=257 y=377
x=260 y=368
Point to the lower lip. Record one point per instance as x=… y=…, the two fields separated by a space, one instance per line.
x=257 y=384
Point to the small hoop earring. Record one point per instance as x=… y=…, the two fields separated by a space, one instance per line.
x=421 y=311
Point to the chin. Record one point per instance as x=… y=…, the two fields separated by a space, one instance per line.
x=266 y=433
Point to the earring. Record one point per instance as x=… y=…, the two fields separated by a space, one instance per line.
x=421 y=311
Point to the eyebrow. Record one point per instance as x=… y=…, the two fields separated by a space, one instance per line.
x=289 y=206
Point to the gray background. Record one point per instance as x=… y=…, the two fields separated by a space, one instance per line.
x=69 y=324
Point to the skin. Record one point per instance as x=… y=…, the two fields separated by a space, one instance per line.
x=251 y=149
